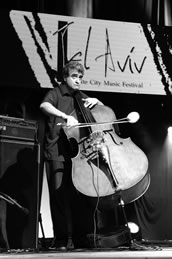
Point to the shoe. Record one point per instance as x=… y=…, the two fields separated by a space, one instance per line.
x=61 y=248
x=58 y=248
x=59 y=245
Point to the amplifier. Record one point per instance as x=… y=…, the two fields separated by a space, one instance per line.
x=18 y=128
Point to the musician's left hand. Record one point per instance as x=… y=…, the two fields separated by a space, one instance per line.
x=90 y=102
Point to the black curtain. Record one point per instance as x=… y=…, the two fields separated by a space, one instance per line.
x=153 y=209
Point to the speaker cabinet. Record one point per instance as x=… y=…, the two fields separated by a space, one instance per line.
x=19 y=179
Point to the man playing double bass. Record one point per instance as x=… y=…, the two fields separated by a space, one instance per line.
x=58 y=104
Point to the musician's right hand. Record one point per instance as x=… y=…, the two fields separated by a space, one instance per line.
x=71 y=121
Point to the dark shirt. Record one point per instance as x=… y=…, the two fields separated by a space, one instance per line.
x=56 y=142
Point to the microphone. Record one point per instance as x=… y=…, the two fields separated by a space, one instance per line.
x=10 y=200
x=25 y=210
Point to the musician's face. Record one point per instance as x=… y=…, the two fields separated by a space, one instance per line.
x=74 y=79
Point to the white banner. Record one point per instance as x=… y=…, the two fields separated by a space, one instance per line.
x=116 y=55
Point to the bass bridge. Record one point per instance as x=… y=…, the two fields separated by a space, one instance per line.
x=95 y=149
x=92 y=145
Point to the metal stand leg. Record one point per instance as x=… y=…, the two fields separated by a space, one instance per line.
x=43 y=241
x=122 y=204
x=133 y=244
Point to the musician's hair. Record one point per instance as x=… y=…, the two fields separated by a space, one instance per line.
x=72 y=65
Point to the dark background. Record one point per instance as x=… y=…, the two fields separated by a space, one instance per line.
x=153 y=210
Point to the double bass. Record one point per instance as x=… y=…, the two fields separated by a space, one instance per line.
x=104 y=163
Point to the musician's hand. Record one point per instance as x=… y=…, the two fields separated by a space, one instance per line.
x=90 y=102
x=71 y=121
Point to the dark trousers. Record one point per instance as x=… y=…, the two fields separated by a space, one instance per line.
x=73 y=214
x=3 y=231
x=71 y=217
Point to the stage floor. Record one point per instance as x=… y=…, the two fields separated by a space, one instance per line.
x=122 y=252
